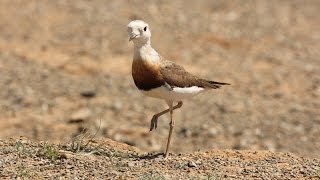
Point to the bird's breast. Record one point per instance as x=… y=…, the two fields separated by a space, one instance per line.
x=146 y=75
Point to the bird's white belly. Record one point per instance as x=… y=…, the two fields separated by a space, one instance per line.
x=176 y=94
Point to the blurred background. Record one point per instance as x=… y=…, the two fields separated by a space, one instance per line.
x=65 y=67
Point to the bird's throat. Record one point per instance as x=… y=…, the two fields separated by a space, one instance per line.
x=145 y=52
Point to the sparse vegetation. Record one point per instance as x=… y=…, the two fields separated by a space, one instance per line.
x=204 y=177
x=180 y=165
x=23 y=172
x=49 y=151
x=80 y=142
x=23 y=151
x=317 y=173
x=151 y=175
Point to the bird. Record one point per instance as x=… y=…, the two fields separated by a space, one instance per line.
x=160 y=78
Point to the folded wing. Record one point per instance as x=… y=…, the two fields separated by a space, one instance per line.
x=176 y=76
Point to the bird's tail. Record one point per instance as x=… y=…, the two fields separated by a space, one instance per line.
x=215 y=84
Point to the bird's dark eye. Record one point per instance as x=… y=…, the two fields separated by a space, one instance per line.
x=145 y=28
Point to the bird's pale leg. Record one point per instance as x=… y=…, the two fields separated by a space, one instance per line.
x=170 y=131
x=154 y=120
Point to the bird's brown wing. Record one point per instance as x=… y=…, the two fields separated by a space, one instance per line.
x=176 y=76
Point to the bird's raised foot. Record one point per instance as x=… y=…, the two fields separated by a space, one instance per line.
x=154 y=122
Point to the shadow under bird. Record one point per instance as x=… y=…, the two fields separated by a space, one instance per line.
x=159 y=78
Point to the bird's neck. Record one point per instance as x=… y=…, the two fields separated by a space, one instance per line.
x=138 y=46
x=144 y=51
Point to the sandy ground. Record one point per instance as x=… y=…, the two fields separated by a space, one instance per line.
x=107 y=159
x=65 y=69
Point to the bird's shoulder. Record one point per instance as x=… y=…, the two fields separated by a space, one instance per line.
x=176 y=75
x=167 y=65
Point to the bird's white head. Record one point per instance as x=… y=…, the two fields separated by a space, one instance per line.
x=139 y=32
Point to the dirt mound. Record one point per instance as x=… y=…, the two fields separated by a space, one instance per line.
x=21 y=158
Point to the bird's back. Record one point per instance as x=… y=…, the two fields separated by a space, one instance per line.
x=177 y=76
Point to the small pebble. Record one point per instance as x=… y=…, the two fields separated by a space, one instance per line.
x=192 y=164
x=131 y=164
x=88 y=93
